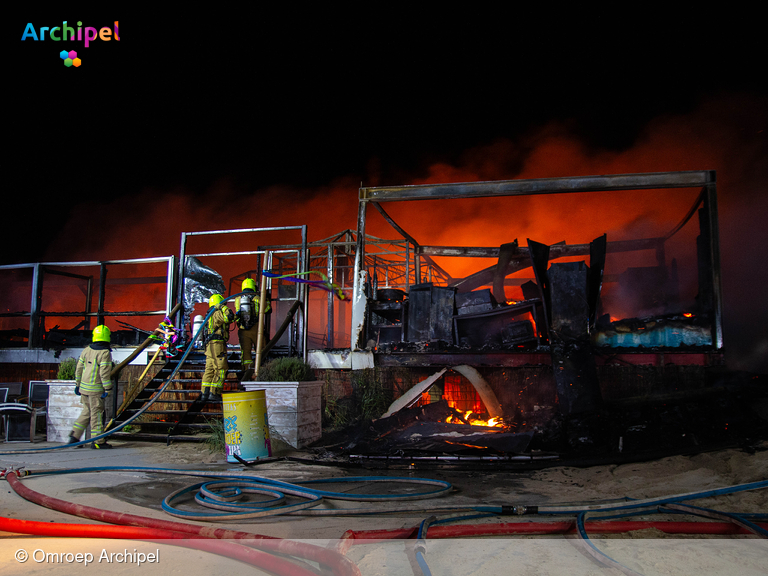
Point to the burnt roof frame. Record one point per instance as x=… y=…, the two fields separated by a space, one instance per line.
x=704 y=179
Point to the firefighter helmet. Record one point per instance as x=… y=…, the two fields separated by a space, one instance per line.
x=215 y=300
x=249 y=284
x=102 y=334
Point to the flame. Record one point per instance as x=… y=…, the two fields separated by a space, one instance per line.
x=687 y=314
x=473 y=421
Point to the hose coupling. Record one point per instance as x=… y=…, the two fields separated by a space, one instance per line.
x=519 y=510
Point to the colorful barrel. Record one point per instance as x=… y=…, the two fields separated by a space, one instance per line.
x=246 y=428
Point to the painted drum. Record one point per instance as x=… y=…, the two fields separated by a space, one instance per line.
x=246 y=427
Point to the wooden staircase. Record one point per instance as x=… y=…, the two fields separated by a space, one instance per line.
x=175 y=415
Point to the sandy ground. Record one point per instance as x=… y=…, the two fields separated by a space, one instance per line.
x=646 y=551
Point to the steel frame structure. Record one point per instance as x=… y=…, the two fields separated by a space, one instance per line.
x=703 y=179
x=390 y=258
x=38 y=269
x=301 y=293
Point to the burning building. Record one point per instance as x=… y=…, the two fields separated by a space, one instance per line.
x=624 y=307
x=597 y=290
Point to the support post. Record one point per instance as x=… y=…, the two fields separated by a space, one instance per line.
x=34 y=316
x=358 y=291
x=330 y=297
x=262 y=305
x=714 y=259
x=102 y=293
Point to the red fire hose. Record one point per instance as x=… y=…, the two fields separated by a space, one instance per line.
x=261 y=560
x=542 y=528
x=338 y=563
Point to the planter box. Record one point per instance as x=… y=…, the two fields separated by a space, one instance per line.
x=64 y=407
x=293 y=410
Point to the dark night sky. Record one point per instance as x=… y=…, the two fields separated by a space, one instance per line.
x=279 y=97
x=301 y=97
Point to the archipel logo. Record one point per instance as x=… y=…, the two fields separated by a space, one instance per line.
x=67 y=34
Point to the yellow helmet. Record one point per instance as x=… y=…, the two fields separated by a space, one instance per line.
x=102 y=334
x=249 y=284
x=215 y=300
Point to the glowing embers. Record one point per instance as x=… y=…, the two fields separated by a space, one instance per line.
x=464 y=401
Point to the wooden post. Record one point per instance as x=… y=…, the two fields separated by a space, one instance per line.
x=262 y=305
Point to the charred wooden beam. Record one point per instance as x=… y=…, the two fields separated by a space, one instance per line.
x=489 y=359
x=556 y=250
x=649 y=181
x=520 y=260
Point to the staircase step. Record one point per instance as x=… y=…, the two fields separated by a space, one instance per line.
x=183 y=398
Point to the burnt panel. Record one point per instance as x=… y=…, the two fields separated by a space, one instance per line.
x=506 y=252
x=480 y=332
x=430 y=313
x=530 y=290
x=517 y=332
x=441 y=311
x=419 y=314
x=568 y=292
x=578 y=389
x=597 y=250
x=475 y=302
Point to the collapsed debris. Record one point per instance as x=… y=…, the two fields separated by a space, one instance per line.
x=735 y=414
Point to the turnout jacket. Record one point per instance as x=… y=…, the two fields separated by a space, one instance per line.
x=93 y=369
x=217 y=327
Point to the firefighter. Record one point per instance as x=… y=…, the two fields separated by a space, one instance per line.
x=215 y=336
x=247 y=307
x=92 y=384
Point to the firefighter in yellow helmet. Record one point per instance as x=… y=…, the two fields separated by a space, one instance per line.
x=215 y=336
x=92 y=384
x=247 y=307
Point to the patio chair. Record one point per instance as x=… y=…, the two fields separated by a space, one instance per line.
x=21 y=418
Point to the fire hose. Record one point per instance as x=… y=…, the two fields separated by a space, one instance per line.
x=219 y=494
x=222 y=492
x=737 y=523
x=171 y=529
x=256 y=558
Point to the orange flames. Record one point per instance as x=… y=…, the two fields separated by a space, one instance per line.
x=470 y=418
